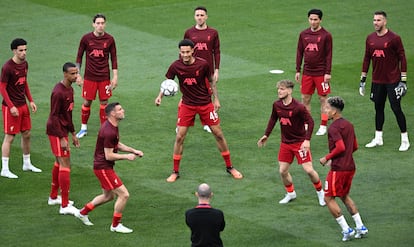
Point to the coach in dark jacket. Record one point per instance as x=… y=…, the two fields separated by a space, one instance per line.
x=205 y=222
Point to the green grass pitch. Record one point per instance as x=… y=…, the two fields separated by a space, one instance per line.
x=256 y=36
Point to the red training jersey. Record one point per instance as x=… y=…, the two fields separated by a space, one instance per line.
x=98 y=50
x=192 y=79
x=342 y=129
x=60 y=121
x=292 y=119
x=315 y=49
x=206 y=44
x=108 y=137
x=388 y=57
x=13 y=84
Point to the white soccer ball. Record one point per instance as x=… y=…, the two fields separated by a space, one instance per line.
x=169 y=87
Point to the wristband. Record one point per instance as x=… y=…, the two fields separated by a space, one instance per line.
x=363 y=78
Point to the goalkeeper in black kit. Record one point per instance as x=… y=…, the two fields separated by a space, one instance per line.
x=389 y=77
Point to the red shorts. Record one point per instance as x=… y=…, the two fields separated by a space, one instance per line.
x=90 y=87
x=309 y=83
x=288 y=151
x=108 y=178
x=57 y=150
x=338 y=183
x=13 y=125
x=187 y=113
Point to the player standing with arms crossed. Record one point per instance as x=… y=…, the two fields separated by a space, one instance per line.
x=315 y=49
x=106 y=153
x=206 y=43
x=192 y=73
x=58 y=126
x=296 y=126
x=16 y=115
x=98 y=47
x=342 y=144
x=389 y=77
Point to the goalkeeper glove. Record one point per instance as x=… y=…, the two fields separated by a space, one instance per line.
x=362 y=85
x=401 y=88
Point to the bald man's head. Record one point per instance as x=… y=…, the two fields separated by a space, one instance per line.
x=204 y=191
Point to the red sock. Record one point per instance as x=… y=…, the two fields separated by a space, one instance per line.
x=177 y=160
x=116 y=219
x=86 y=112
x=64 y=182
x=324 y=119
x=87 y=208
x=102 y=114
x=290 y=188
x=226 y=157
x=54 y=190
x=318 y=185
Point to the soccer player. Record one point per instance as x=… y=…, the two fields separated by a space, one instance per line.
x=342 y=144
x=58 y=126
x=389 y=77
x=205 y=222
x=106 y=153
x=206 y=43
x=98 y=47
x=296 y=126
x=16 y=115
x=315 y=49
x=192 y=73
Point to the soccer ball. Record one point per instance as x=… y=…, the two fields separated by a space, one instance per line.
x=169 y=87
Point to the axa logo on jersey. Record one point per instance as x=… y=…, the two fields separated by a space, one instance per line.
x=97 y=53
x=201 y=46
x=190 y=81
x=312 y=47
x=285 y=121
x=378 y=53
x=21 y=81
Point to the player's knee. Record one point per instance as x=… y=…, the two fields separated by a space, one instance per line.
x=283 y=172
x=109 y=197
x=179 y=139
x=26 y=134
x=8 y=138
x=87 y=103
x=306 y=99
x=124 y=196
x=219 y=137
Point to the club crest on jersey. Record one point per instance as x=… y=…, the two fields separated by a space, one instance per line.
x=190 y=81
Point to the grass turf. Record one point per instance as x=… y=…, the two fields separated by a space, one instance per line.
x=256 y=36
